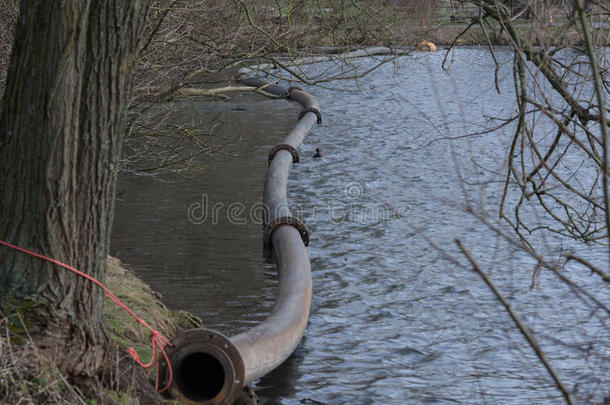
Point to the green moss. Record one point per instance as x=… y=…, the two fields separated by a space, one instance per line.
x=142 y=300
x=121 y=398
x=14 y=321
x=29 y=376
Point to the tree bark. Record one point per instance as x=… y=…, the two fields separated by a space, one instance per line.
x=61 y=128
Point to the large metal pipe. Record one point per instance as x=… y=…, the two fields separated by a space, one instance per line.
x=335 y=57
x=210 y=368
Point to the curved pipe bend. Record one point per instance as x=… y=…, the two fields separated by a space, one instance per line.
x=210 y=368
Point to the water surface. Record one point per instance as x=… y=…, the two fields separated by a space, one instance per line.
x=394 y=320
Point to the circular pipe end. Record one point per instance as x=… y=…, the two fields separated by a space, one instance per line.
x=207 y=368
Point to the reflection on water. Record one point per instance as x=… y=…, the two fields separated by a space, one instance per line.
x=206 y=264
x=393 y=320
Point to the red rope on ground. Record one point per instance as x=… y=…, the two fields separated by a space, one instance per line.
x=157 y=340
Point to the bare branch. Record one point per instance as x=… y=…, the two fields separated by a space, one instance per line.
x=524 y=329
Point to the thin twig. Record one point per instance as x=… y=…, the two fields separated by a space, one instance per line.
x=591 y=267
x=597 y=79
x=524 y=330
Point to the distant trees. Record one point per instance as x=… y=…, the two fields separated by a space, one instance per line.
x=421 y=9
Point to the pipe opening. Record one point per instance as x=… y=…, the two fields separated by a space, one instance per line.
x=200 y=377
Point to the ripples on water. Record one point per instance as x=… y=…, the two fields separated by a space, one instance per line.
x=393 y=320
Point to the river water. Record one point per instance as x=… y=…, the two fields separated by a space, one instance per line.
x=398 y=316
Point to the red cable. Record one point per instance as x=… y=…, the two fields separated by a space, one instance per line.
x=157 y=340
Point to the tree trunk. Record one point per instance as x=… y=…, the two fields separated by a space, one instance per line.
x=61 y=127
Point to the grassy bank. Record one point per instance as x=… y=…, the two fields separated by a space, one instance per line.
x=29 y=376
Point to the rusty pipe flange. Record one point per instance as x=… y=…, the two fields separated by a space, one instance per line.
x=284 y=146
x=285 y=221
x=313 y=110
x=207 y=368
x=293 y=88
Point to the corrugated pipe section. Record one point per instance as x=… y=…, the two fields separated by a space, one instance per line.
x=209 y=368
